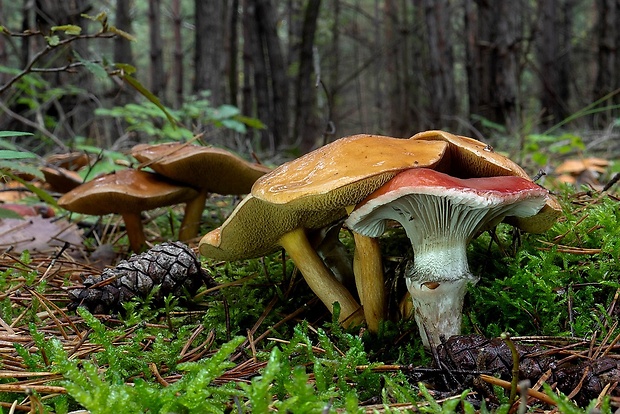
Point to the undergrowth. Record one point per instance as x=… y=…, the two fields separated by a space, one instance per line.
x=558 y=283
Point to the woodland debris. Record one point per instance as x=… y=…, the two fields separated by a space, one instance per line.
x=172 y=267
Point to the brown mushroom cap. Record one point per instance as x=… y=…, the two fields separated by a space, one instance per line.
x=313 y=191
x=576 y=167
x=214 y=169
x=125 y=191
x=326 y=177
x=470 y=158
x=309 y=193
x=61 y=179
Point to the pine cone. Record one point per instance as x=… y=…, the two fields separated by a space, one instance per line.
x=172 y=265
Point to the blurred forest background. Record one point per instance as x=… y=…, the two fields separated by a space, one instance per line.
x=311 y=71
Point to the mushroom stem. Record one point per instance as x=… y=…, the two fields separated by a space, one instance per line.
x=193 y=214
x=437 y=281
x=319 y=278
x=368 y=270
x=135 y=231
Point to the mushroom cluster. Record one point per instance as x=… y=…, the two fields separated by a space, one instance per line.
x=183 y=174
x=312 y=192
x=443 y=189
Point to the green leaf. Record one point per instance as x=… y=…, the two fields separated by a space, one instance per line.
x=69 y=29
x=122 y=33
x=42 y=194
x=134 y=83
x=10 y=214
x=251 y=122
x=52 y=40
x=6 y=134
x=15 y=155
x=125 y=67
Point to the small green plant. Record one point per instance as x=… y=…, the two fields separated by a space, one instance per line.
x=148 y=119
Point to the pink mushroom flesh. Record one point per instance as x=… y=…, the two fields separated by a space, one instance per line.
x=440 y=215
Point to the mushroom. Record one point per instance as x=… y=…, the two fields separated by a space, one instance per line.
x=312 y=192
x=440 y=215
x=60 y=179
x=209 y=169
x=468 y=158
x=128 y=193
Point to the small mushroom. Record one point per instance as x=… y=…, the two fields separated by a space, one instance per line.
x=310 y=193
x=440 y=215
x=60 y=179
x=128 y=193
x=209 y=169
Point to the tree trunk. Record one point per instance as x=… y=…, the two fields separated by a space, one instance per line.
x=122 y=46
x=266 y=20
x=252 y=37
x=177 y=58
x=492 y=60
x=233 y=51
x=305 y=92
x=606 y=57
x=553 y=57
x=209 y=58
x=158 y=76
x=440 y=62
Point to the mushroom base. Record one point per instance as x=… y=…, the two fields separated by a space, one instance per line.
x=438 y=307
x=437 y=283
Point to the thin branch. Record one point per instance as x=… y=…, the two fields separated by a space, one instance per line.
x=34 y=125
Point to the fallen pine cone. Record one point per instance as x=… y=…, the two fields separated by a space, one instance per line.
x=586 y=376
x=172 y=266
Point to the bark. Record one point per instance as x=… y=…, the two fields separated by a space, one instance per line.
x=233 y=51
x=256 y=59
x=440 y=61
x=606 y=57
x=209 y=60
x=492 y=60
x=122 y=46
x=177 y=61
x=158 y=76
x=266 y=15
x=554 y=59
x=4 y=55
x=305 y=92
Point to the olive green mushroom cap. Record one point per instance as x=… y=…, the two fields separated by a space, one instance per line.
x=214 y=169
x=125 y=191
x=470 y=158
x=313 y=191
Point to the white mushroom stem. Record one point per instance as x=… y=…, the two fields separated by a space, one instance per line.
x=368 y=270
x=319 y=278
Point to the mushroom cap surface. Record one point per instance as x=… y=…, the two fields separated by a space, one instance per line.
x=125 y=191
x=363 y=162
x=468 y=158
x=214 y=169
x=506 y=195
x=313 y=191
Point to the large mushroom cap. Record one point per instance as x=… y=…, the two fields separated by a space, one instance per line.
x=125 y=191
x=467 y=158
x=313 y=191
x=360 y=162
x=214 y=169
